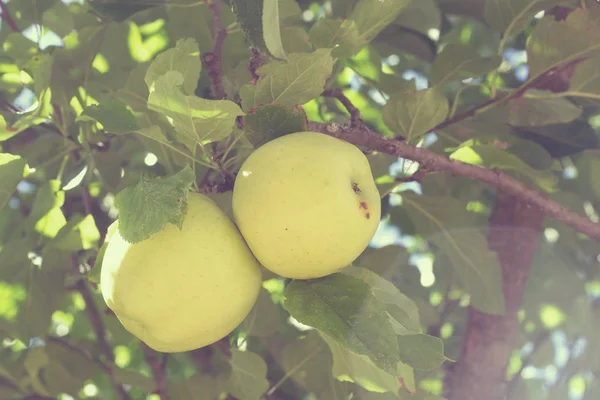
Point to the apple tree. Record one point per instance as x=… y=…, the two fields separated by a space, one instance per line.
x=479 y=121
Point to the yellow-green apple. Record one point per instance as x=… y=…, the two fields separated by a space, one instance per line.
x=306 y=204
x=183 y=289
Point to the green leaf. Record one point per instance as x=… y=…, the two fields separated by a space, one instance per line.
x=271 y=29
x=533 y=109
x=491 y=156
x=510 y=17
x=340 y=35
x=147 y=207
x=423 y=352
x=199 y=119
x=59 y=19
x=457 y=62
x=446 y=222
x=364 y=372
x=553 y=43
x=405 y=311
x=371 y=16
x=308 y=361
x=561 y=140
x=11 y=172
x=108 y=165
x=271 y=121
x=41 y=66
x=586 y=79
x=80 y=233
x=48 y=197
x=183 y=58
x=134 y=378
x=114 y=115
x=44 y=294
x=249 y=14
x=296 y=40
x=420 y=16
x=297 y=81
x=412 y=114
x=344 y=308
x=265 y=317
x=248 y=380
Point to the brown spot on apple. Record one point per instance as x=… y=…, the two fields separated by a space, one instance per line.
x=363 y=205
x=355 y=187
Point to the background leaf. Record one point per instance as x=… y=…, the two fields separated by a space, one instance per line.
x=371 y=16
x=457 y=62
x=248 y=375
x=271 y=29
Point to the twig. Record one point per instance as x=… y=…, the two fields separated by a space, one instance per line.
x=7 y=18
x=159 y=370
x=98 y=327
x=416 y=177
x=214 y=60
x=257 y=60
x=337 y=93
x=364 y=137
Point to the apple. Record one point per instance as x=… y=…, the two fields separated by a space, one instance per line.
x=180 y=290
x=307 y=204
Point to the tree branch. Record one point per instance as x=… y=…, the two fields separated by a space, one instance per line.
x=7 y=18
x=481 y=370
x=98 y=327
x=214 y=60
x=355 y=120
x=364 y=137
x=159 y=370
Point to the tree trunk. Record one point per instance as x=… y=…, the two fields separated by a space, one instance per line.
x=489 y=340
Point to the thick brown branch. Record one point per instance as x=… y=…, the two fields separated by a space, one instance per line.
x=364 y=137
x=214 y=60
x=159 y=370
x=489 y=341
x=105 y=349
x=355 y=120
x=7 y=18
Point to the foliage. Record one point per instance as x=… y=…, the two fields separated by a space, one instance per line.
x=112 y=108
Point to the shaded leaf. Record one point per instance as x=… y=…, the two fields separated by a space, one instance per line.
x=133 y=378
x=423 y=352
x=48 y=197
x=192 y=20
x=371 y=16
x=199 y=119
x=298 y=80
x=491 y=156
x=59 y=19
x=457 y=62
x=586 y=78
x=265 y=317
x=249 y=14
x=271 y=121
x=361 y=370
x=147 y=207
x=553 y=43
x=446 y=222
x=248 y=380
x=109 y=168
x=11 y=172
x=512 y=16
x=295 y=40
x=183 y=58
x=561 y=140
x=344 y=308
x=405 y=311
x=118 y=11
x=310 y=361
x=413 y=114
x=340 y=35
x=114 y=115
x=44 y=294
x=420 y=16
x=532 y=111
x=198 y=387
x=80 y=233
x=271 y=30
